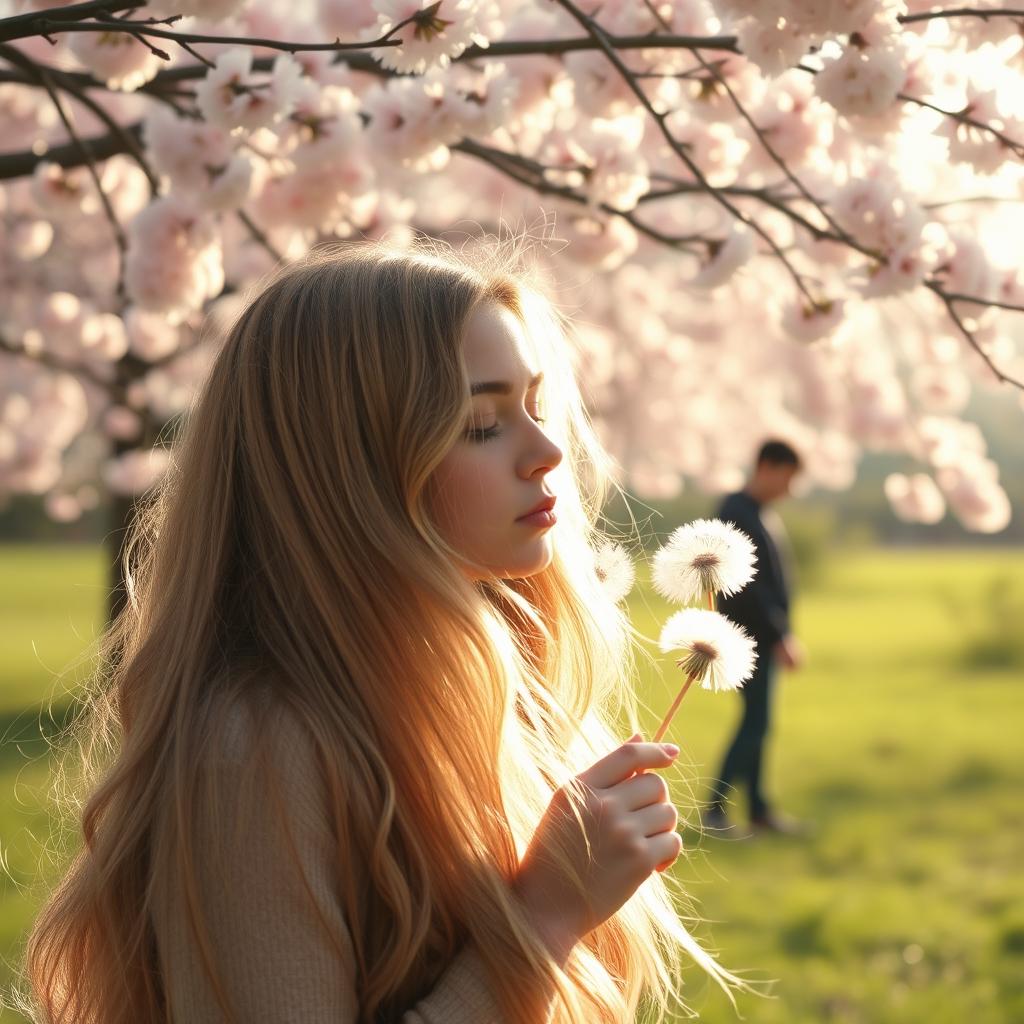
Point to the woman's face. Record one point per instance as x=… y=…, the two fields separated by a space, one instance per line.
x=496 y=472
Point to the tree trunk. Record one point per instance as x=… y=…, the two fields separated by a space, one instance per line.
x=122 y=513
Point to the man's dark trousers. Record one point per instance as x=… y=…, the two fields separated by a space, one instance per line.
x=745 y=754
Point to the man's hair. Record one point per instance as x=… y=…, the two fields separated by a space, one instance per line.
x=778 y=453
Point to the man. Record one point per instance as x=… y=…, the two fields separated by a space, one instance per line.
x=762 y=609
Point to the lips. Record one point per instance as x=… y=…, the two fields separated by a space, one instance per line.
x=545 y=505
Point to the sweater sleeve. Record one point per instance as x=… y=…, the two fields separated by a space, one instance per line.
x=284 y=953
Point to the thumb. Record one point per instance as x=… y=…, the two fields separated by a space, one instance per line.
x=635 y=736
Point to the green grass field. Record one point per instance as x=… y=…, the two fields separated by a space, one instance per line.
x=900 y=740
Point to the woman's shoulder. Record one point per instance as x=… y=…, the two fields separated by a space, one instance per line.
x=263 y=756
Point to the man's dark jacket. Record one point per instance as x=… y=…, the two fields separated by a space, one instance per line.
x=762 y=606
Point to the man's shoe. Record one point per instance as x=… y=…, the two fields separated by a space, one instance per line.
x=715 y=822
x=779 y=823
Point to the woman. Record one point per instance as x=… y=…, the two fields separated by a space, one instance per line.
x=361 y=715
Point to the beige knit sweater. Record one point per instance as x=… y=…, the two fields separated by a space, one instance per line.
x=277 y=961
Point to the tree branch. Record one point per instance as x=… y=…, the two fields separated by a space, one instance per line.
x=132 y=142
x=949 y=301
x=43 y=75
x=19 y=26
x=598 y=33
x=817 y=233
x=51 y=362
x=506 y=163
x=1017 y=148
x=962 y=12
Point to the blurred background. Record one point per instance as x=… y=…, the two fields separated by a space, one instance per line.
x=899 y=740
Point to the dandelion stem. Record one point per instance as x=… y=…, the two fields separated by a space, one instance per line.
x=711 y=600
x=663 y=728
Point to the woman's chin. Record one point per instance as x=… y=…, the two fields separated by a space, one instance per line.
x=534 y=560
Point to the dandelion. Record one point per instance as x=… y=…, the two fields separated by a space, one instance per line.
x=715 y=651
x=702 y=558
x=614 y=569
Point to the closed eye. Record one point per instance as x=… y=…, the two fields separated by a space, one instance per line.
x=480 y=434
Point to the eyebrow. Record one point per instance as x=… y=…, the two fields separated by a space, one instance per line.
x=500 y=387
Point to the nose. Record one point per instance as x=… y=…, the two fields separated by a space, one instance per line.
x=543 y=455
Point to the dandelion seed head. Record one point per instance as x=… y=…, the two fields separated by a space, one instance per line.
x=707 y=555
x=714 y=650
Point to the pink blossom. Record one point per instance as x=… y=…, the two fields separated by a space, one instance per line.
x=862 y=82
x=602 y=161
x=315 y=194
x=198 y=158
x=792 y=120
x=59 y=190
x=178 y=147
x=600 y=90
x=438 y=32
x=41 y=412
x=940 y=389
x=967 y=271
x=944 y=441
x=228 y=98
x=136 y=471
x=732 y=252
x=209 y=10
x=597 y=241
x=976 y=146
x=975 y=495
x=116 y=58
x=877 y=414
x=62 y=508
x=150 y=335
x=878 y=213
x=30 y=239
x=173 y=263
x=410 y=121
x=833 y=17
x=103 y=337
x=772 y=46
x=59 y=322
x=915 y=498
x=347 y=20
x=487 y=96
x=804 y=322
x=905 y=270
x=122 y=423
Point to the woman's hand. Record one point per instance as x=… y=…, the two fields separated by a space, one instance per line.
x=629 y=823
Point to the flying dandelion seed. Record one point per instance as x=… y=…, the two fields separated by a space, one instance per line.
x=615 y=570
x=702 y=558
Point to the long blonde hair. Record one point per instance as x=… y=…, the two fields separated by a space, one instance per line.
x=288 y=560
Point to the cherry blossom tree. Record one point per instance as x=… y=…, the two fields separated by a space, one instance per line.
x=796 y=217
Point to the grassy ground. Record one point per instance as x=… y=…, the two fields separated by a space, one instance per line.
x=900 y=740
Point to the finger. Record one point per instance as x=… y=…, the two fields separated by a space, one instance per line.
x=664 y=848
x=642 y=790
x=624 y=761
x=656 y=818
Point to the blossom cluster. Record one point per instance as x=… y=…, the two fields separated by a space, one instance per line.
x=852 y=138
